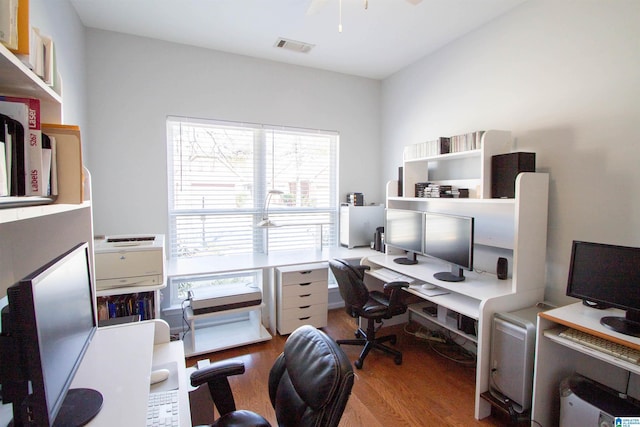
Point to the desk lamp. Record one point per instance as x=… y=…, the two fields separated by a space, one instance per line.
x=266 y=222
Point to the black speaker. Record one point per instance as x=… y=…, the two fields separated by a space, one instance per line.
x=504 y=170
x=502 y=268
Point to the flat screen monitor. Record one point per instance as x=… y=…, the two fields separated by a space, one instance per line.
x=606 y=276
x=449 y=238
x=48 y=324
x=403 y=230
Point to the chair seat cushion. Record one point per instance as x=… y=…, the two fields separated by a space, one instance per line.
x=241 y=419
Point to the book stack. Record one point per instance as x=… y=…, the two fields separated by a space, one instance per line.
x=34 y=49
x=427 y=149
x=432 y=190
x=126 y=305
x=466 y=142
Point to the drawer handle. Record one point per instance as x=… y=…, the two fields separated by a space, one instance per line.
x=305 y=295
x=304 y=318
x=306 y=272
x=304 y=307
x=305 y=284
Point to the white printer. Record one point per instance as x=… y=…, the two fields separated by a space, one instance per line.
x=129 y=260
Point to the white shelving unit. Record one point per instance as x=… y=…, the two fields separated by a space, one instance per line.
x=225 y=334
x=31 y=236
x=512 y=228
x=154 y=290
x=468 y=169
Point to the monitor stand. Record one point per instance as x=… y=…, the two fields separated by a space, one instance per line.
x=409 y=260
x=455 y=275
x=621 y=325
x=79 y=407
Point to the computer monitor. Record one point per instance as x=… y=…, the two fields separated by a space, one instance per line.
x=449 y=238
x=46 y=329
x=604 y=276
x=403 y=230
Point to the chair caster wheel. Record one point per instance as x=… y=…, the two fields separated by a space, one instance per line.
x=393 y=340
x=358 y=334
x=358 y=364
x=398 y=360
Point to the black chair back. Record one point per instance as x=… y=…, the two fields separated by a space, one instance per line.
x=311 y=381
x=351 y=285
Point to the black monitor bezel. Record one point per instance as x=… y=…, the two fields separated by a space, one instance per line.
x=630 y=323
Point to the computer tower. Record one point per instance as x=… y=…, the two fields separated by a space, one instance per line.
x=358 y=224
x=513 y=339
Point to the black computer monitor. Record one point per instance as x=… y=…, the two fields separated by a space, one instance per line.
x=47 y=327
x=603 y=276
x=403 y=230
x=449 y=238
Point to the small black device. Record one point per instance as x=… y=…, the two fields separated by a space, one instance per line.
x=431 y=310
x=466 y=324
x=502 y=268
x=504 y=170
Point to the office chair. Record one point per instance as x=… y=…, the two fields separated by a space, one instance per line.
x=373 y=306
x=309 y=384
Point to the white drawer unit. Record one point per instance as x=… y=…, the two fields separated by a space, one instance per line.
x=302 y=294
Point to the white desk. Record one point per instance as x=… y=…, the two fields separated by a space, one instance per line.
x=118 y=364
x=211 y=265
x=556 y=359
x=479 y=296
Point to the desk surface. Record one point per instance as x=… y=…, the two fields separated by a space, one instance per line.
x=587 y=319
x=118 y=364
x=229 y=263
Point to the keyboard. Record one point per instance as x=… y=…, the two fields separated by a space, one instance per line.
x=600 y=344
x=162 y=409
x=390 y=276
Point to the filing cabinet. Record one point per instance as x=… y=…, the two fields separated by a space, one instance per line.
x=302 y=295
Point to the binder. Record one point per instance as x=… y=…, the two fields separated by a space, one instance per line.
x=68 y=153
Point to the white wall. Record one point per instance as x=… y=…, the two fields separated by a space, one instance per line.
x=134 y=83
x=564 y=77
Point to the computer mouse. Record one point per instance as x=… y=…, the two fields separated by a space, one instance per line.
x=428 y=286
x=159 y=375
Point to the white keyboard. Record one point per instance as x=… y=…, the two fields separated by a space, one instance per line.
x=390 y=275
x=162 y=409
x=600 y=344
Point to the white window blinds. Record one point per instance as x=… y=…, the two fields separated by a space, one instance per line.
x=219 y=176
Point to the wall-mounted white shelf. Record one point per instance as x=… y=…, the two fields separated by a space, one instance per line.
x=18 y=80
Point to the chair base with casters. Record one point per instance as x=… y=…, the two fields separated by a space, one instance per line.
x=369 y=340
x=309 y=384
x=374 y=306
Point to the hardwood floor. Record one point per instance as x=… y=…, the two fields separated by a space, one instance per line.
x=426 y=390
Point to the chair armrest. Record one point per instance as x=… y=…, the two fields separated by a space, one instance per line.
x=391 y=286
x=360 y=269
x=394 y=288
x=217 y=370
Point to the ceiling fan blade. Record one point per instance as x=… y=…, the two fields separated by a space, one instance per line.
x=315 y=6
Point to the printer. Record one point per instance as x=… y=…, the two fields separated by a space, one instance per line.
x=129 y=260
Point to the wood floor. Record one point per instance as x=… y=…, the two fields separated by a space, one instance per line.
x=426 y=390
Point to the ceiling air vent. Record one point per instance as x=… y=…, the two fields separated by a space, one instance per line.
x=293 y=45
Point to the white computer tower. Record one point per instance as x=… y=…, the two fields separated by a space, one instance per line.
x=358 y=224
x=513 y=340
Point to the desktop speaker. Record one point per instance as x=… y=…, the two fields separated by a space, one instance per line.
x=502 y=268
x=504 y=170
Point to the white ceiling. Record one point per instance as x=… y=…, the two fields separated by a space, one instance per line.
x=375 y=42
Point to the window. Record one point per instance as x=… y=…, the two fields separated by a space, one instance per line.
x=221 y=172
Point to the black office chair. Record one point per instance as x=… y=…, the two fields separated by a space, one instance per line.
x=309 y=384
x=373 y=306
